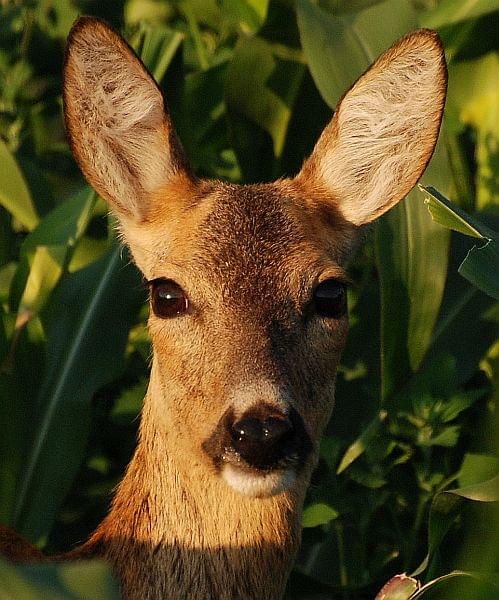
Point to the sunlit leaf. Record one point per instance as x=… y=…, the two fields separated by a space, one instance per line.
x=318 y=514
x=481 y=264
x=251 y=14
x=447 y=12
x=46 y=252
x=14 y=193
x=474 y=100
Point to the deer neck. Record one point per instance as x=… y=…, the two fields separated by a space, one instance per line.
x=180 y=532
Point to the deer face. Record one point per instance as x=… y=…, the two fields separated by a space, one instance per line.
x=248 y=302
x=248 y=318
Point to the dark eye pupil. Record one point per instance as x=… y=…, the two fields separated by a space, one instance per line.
x=330 y=299
x=167 y=298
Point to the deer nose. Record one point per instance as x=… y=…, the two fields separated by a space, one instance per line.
x=262 y=440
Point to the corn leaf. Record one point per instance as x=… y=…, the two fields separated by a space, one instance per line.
x=85 y=580
x=448 y=12
x=481 y=265
x=87 y=351
x=14 y=193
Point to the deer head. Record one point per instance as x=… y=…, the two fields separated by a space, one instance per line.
x=248 y=282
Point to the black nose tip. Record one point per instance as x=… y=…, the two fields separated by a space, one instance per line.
x=262 y=439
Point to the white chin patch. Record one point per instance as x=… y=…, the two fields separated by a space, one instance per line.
x=255 y=485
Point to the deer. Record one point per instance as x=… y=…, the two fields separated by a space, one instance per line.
x=248 y=298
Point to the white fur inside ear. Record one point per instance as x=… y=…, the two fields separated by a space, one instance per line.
x=384 y=130
x=116 y=120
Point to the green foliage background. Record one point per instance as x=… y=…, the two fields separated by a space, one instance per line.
x=251 y=84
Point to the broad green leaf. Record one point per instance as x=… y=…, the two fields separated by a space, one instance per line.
x=412 y=256
x=485 y=491
x=452 y=216
x=318 y=514
x=445 y=508
x=262 y=87
x=473 y=98
x=45 y=268
x=14 y=193
x=80 y=580
x=490 y=579
x=448 y=12
x=251 y=14
x=46 y=252
x=340 y=48
x=481 y=265
x=56 y=17
x=150 y=11
x=477 y=468
x=343 y=6
x=87 y=350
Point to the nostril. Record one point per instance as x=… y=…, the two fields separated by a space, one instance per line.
x=248 y=430
x=275 y=428
x=267 y=431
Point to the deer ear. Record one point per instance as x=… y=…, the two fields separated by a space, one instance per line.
x=383 y=132
x=116 y=120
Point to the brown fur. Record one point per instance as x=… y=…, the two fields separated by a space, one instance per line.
x=249 y=258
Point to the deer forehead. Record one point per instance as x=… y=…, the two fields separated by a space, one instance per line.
x=232 y=236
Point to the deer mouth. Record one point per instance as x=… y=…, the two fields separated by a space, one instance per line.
x=262 y=453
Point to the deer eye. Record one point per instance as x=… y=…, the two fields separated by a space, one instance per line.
x=330 y=299
x=167 y=298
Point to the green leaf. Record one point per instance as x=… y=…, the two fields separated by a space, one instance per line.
x=473 y=98
x=262 y=86
x=250 y=14
x=477 y=468
x=445 y=508
x=344 y=6
x=485 y=491
x=456 y=404
x=318 y=514
x=448 y=12
x=340 y=48
x=46 y=252
x=490 y=579
x=481 y=264
x=14 y=193
x=157 y=47
x=411 y=255
x=87 y=350
x=358 y=447
x=82 y=580
x=446 y=437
